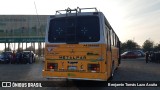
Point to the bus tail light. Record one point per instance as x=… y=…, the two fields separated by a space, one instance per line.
x=52 y=66
x=94 y=67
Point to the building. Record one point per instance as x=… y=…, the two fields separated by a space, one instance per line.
x=18 y=30
x=22 y=28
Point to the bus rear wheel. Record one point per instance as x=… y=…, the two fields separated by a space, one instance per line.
x=112 y=72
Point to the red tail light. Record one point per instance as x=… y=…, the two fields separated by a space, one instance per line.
x=94 y=67
x=52 y=66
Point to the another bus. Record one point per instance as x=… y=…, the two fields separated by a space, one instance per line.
x=80 y=45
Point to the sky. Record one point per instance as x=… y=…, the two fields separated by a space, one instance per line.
x=137 y=20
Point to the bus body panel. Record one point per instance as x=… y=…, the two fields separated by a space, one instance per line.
x=90 y=55
x=83 y=60
x=84 y=54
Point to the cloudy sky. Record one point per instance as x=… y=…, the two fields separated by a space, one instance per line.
x=131 y=19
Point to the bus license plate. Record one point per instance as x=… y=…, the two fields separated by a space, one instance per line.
x=72 y=68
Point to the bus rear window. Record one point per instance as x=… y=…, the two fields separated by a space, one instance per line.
x=74 y=29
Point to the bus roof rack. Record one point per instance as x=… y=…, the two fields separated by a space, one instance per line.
x=77 y=10
x=80 y=9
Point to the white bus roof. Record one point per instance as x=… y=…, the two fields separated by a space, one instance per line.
x=76 y=12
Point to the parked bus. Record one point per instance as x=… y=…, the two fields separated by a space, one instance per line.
x=80 y=45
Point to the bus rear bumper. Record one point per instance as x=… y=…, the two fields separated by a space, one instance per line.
x=75 y=75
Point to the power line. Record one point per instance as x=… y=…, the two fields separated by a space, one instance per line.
x=38 y=18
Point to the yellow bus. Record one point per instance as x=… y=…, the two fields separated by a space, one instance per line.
x=80 y=45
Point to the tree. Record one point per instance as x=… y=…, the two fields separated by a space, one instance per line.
x=123 y=47
x=148 y=45
x=129 y=45
x=157 y=47
x=19 y=50
x=39 y=51
x=30 y=48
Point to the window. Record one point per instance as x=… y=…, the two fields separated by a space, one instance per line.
x=109 y=40
x=111 y=37
x=113 y=34
x=74 y=29
x=108 y=35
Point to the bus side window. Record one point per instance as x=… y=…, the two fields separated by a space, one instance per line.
x=116 y=42
x=111 y=36
x=108 y=35
x=109 y=41
x=114 y=39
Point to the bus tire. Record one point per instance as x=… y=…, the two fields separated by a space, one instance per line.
x=110 y=78
x=112 y=72
x=116 y=68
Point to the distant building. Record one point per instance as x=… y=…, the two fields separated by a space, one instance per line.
x=16 y=27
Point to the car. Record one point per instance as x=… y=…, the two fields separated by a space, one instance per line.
x=129 y=55
x=5 y=57
x=19 y=58
x=28 y=57
x=140 y=53
x=2 y=58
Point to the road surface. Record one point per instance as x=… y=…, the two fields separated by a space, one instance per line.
x=129 y=70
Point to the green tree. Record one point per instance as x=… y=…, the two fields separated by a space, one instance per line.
x=129 y=45
x=148 y=45
x=30 y=48
x=39 y=51
x=157 y=47
x=19 y=50
x=123 y=47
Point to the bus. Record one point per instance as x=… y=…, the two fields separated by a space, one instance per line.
x=80 y=45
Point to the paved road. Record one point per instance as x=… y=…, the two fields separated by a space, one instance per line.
x=21 y=72
x=129 y=70
x=133 y=70
x=137 y=70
